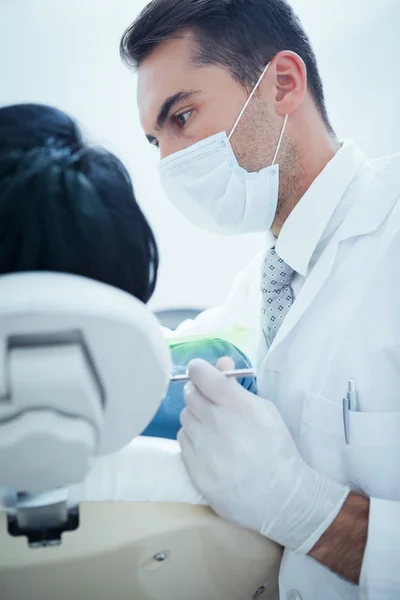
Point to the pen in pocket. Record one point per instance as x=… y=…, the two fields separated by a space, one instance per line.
x=349 y=404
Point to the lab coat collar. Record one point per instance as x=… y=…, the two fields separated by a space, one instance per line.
x=376 y=198
x=311 y=223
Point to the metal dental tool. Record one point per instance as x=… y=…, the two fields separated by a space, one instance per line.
x=237 y=373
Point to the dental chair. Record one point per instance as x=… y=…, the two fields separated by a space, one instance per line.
x=88 y=508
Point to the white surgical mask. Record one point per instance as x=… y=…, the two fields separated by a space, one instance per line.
x=207 y=185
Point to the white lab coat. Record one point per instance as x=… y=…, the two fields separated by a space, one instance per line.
x=344 y=324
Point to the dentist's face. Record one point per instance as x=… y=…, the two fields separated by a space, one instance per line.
x=181 y=103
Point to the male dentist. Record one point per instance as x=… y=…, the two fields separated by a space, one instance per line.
x=229 y=90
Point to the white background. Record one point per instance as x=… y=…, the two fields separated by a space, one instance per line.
x=65 y=53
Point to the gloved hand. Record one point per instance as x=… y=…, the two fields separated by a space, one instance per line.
x=166 y=423
x=241 y=457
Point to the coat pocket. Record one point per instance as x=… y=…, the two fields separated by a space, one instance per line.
x=369 y=462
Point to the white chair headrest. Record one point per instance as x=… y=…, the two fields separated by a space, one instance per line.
x=83 y=370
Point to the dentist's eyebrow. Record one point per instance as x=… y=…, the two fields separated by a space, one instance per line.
x=167 y=107
x=170 y=103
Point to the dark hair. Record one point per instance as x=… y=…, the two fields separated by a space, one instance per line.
x=239 y=35
x=67 y=207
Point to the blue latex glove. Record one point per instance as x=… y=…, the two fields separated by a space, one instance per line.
x=166 y=423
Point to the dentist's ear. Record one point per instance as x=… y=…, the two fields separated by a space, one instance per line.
x=290 y=85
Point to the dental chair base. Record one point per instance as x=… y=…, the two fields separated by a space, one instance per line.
x=142 y=551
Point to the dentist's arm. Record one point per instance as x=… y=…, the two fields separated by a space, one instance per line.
x=243 y=459
x=241 y=456
x=342 y=547
x=362 y=545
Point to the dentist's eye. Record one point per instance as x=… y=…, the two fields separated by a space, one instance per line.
x=182 y=119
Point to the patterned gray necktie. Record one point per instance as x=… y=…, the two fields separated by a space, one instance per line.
x=277 y=293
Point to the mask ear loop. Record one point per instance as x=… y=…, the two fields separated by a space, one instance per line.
x=280 y=140
x=247 y=103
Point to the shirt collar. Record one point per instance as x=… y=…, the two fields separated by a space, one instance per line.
x=311 y=219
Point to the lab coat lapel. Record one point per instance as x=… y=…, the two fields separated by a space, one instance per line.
x=365 y=216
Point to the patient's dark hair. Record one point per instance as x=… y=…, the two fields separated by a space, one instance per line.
x=68 y=207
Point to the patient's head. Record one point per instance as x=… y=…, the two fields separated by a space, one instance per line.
x=68 y=207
